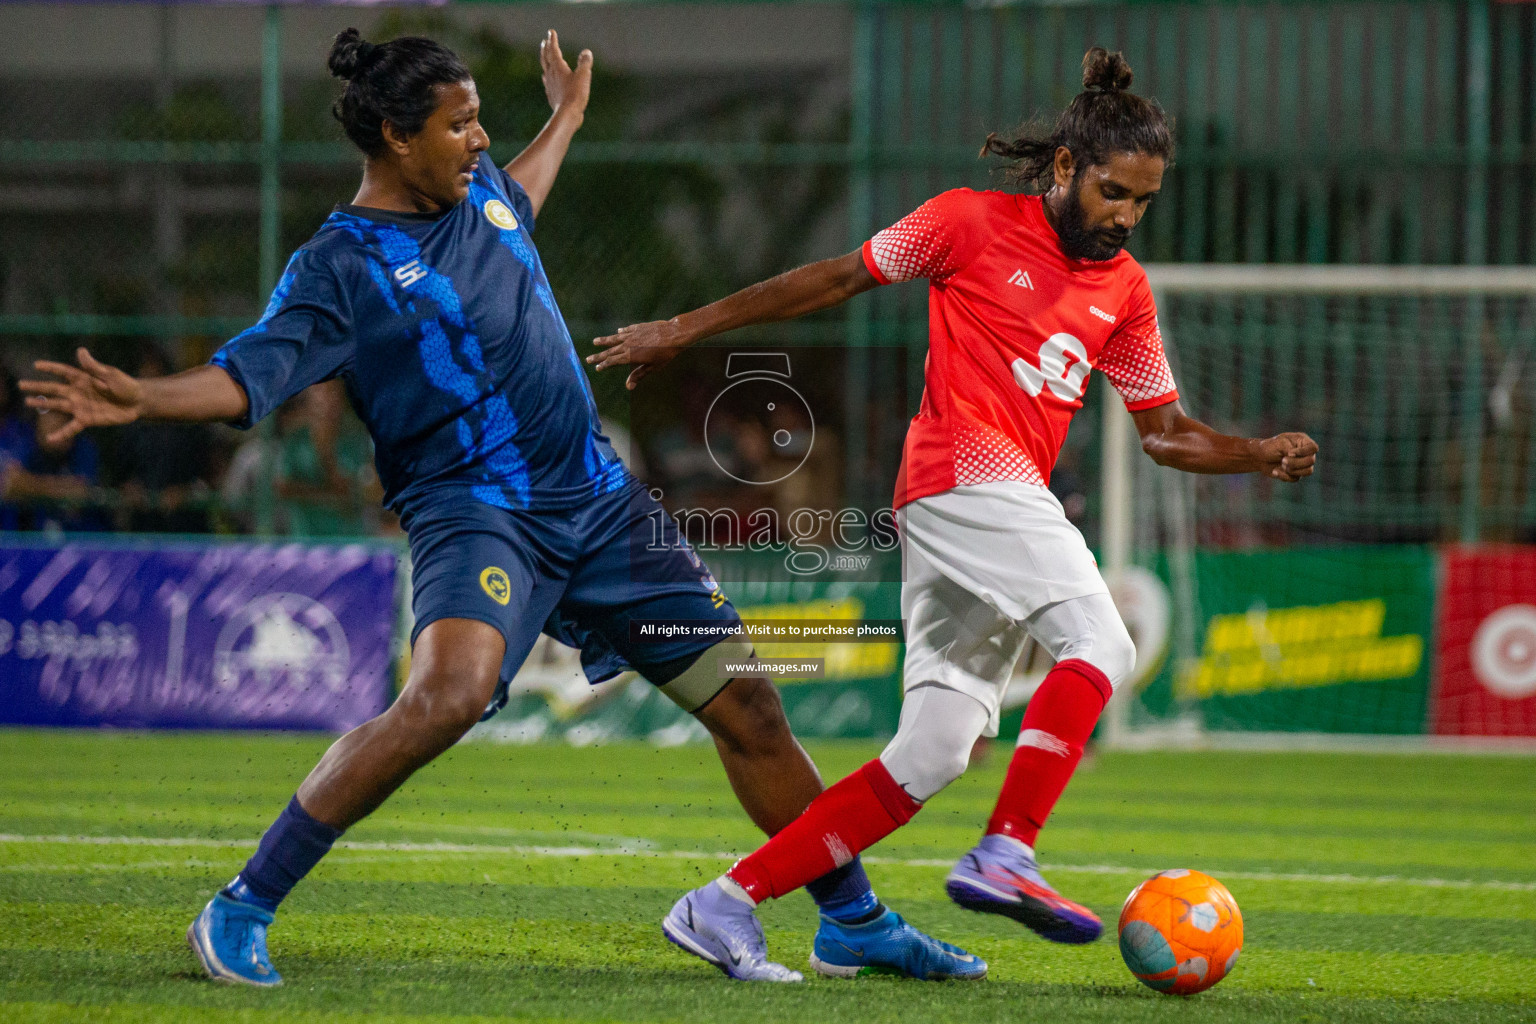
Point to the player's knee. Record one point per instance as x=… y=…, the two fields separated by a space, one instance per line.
x=1103 y=642
x=925 y=760
x=454 y=670
x=445 y=699
x=945 y=766
x=435 y=706
x=1114 y=653
x=923 y=769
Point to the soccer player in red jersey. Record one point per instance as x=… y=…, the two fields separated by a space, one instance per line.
x=1027 y=295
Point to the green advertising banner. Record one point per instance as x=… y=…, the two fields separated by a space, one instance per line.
x=1306 y=640
x=858 y=694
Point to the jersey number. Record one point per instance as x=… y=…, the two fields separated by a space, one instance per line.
x=1067 y=381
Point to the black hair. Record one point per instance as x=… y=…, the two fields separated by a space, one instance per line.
x=1104 y=119
x=394 y=81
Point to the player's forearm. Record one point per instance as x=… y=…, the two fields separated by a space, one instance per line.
x=537 y=166
x=1191 y=446
x=204 y=393
x=794 y=293
x=19 y=484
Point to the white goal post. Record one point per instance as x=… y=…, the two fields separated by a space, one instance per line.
x=1121 y=451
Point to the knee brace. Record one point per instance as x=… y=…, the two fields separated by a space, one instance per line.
x=698 y=684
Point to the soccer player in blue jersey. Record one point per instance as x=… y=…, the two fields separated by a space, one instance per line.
x=427 y=297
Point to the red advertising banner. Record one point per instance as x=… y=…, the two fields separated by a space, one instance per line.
x=1486 y=683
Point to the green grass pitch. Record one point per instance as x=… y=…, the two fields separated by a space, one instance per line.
x=530 y=882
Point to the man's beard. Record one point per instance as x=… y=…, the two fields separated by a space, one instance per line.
x=1078 y=241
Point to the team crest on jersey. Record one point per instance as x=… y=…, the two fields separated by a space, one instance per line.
x=497 y=213
x=495 y=583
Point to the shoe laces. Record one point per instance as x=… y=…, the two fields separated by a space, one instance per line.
x=257 y=951
x=250 y=938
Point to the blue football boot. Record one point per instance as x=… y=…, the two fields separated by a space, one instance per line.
x=230 y=938
x=1000 y=876
x=888 y=945
x=720 y=929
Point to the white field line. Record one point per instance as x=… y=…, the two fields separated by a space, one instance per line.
x=625 y=851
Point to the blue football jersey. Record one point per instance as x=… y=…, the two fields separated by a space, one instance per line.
x=445 y=330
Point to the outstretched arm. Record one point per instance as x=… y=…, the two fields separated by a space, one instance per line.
x=535 y=168
x=1183 y=442
x=650 y=346
x=97 y=395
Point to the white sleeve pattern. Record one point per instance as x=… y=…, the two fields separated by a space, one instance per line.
x=915 y=246
x=984 y=455
x=1136 y=365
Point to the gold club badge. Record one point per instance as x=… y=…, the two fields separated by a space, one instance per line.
x=495 y=583
x=497 y=213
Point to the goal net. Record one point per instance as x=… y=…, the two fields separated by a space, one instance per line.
x=1392 y=593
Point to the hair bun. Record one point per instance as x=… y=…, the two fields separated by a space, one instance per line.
x=350 y=54
x=1106 y=72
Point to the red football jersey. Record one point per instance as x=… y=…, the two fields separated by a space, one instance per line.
x=1014 y=327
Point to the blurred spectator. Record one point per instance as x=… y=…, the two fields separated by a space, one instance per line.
x=46 y=488
x=1067 y=486
x=254 y=465
x=164 y=468
x=15 y=445
x=325 y=474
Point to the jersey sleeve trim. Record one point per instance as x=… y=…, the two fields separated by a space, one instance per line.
x=869 y=262
x=1152 y=403
x=222 y=361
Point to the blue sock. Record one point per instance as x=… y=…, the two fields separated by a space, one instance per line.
x=844 y=894
x=290 y=848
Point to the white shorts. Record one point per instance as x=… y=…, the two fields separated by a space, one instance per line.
x=977 y=562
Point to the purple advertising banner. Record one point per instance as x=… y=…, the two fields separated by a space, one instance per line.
x=195 y=636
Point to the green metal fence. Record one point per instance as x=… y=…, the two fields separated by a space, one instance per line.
x=1424 y=407
x=1391 y=132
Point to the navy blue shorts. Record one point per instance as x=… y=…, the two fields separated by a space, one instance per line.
x=580 y=575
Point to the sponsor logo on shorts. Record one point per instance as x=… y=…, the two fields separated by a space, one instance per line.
x=497 y=213
x=716 y=595
x=494 y=582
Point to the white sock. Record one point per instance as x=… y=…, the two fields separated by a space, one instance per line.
x=1025 y=848
x=732 y=888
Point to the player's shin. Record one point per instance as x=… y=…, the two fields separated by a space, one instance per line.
x=1060 y=718
x=849 y=817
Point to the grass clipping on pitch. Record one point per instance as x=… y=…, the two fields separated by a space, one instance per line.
x=530 y=882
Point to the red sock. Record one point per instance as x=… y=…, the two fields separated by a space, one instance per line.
x=1060 y=718
x=852 y=816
